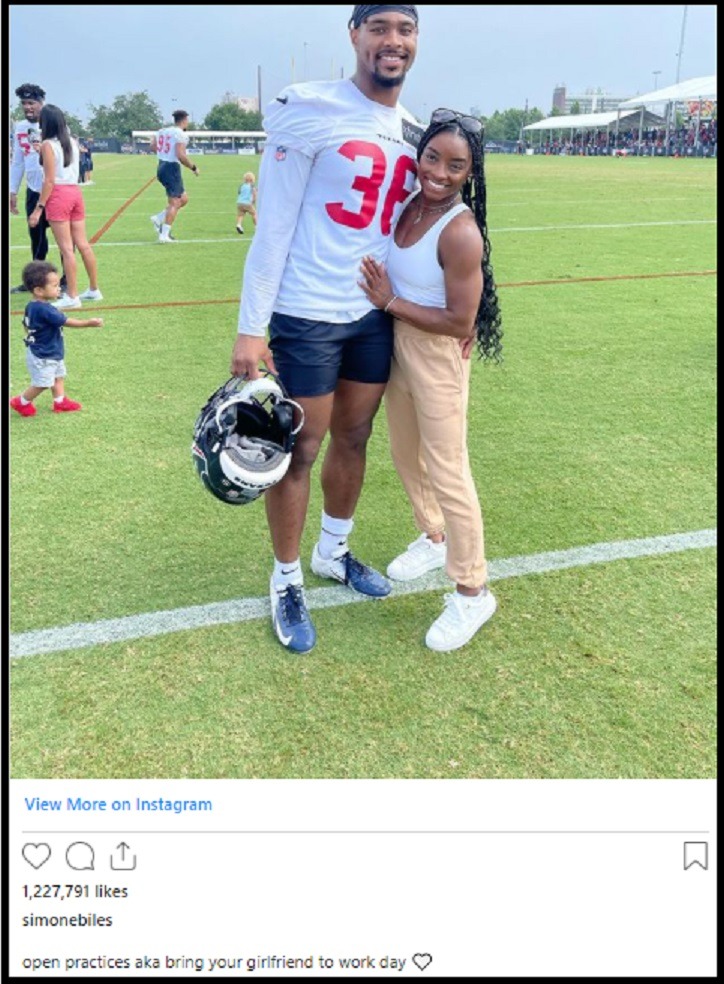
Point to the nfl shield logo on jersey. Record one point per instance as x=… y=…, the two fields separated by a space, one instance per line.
x=281 y=153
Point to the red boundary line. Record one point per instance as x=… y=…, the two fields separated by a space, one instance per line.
x=620 y=276
x=96 y=236
x=521 y=283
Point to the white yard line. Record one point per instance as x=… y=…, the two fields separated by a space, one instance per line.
x=549 y=228
x=85 y=634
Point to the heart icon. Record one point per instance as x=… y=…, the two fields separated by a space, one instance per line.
x=422 y=960
x=36 y=854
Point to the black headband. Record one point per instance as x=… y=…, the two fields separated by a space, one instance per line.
x=364 y=10
x=30 y=91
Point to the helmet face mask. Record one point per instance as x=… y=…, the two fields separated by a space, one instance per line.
x=243 y=438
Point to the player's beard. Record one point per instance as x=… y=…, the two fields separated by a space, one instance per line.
x=387 y=81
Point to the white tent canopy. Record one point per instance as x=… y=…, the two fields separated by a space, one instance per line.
x=588 y=121
x=699 y=88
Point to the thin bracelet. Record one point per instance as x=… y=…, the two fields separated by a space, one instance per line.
x=390 y=303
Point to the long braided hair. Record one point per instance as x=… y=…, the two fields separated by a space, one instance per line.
x=488 y=319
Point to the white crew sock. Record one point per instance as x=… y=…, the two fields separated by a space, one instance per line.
x=165 y=229
x=333 y=537
x=285 y=574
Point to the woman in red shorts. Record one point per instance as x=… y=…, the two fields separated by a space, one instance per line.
x=62 y=200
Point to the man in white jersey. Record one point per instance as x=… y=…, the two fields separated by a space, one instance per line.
x=169 y=145
x=26 y=163
x=339 y=163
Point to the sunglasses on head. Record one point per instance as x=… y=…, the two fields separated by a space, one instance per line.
x=467 y=123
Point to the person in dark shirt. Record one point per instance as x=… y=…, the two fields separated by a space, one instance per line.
x=45 y=355
x=89 y=162
x=82 y=161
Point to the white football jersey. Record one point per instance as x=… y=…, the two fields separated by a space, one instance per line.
x=26 y=159
x=167 y=140
x=336 y=171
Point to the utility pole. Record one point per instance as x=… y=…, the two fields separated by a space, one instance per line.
x=522 y=124
x=672 y=115
x=656 y=74
x=681 y=45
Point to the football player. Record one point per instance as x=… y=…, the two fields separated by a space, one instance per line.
x=26 y=163
x=169 y=145
x=338 y=165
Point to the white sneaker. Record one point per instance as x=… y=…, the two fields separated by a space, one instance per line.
x=460 y=620
x=68 y=303
x=420 y=557
x=156 y=223
x=91 y=295
x=166 y=239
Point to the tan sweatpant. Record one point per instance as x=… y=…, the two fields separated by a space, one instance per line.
x=426 y=404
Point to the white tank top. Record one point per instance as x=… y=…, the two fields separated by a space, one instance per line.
x=65 y=175
x=415 y=272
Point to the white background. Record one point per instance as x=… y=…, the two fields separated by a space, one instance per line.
x=490 y=878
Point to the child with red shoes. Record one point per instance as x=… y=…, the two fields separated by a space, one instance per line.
x=44 y=325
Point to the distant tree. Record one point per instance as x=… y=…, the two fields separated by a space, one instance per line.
x=556 y=112
x=132 y=111
x=494 y=127
x=508 y=124
x=229 y=116
x=575 y=108
x=75 y=126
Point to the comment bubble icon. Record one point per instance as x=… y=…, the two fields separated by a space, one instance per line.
x=79 y=856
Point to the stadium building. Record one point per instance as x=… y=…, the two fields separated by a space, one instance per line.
x=592 y=101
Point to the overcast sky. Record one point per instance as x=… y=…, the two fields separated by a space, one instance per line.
x=479 y=56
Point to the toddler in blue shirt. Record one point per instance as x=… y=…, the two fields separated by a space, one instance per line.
x=45 y=353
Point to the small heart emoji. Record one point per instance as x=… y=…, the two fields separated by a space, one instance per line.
x=36 y=854
x=422 y=960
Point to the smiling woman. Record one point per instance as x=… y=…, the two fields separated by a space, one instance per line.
x=439 y=285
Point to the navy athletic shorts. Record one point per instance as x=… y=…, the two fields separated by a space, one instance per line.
x=311 y=356
x=169 y=174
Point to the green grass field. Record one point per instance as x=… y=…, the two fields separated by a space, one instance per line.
x=599 y=427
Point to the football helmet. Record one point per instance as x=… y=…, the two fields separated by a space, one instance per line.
x=243 y=438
